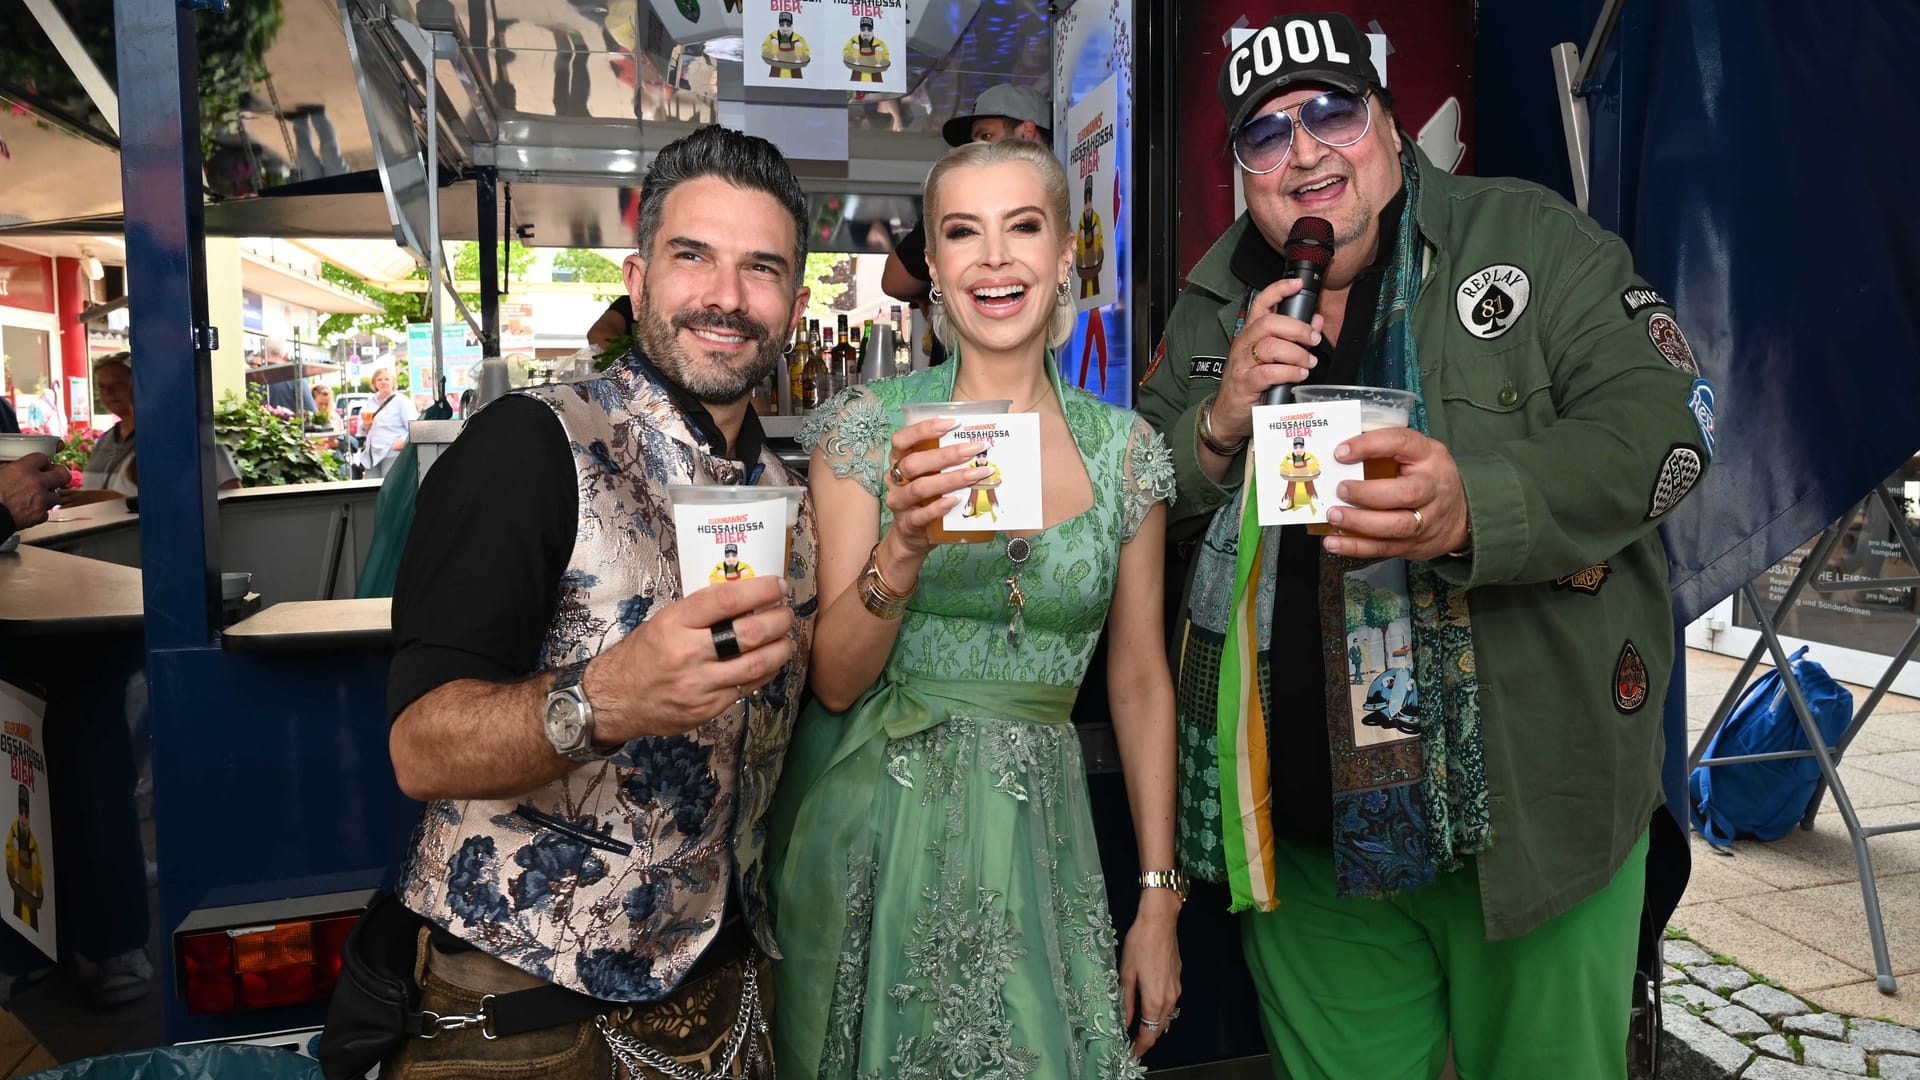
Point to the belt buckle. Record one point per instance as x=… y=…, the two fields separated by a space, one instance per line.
x=436 y=1024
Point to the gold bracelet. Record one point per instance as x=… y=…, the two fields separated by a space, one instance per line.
x=878 y=597
x=1205 y=430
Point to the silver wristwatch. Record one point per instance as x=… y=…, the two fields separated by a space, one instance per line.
x=1175 y=879
x=569 y=717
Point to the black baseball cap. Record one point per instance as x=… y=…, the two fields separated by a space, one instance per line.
x=1325 y=48
x=866 y=22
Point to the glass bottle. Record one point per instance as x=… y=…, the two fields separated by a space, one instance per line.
x=846 y=359
x=799 y=372
x=902 y=348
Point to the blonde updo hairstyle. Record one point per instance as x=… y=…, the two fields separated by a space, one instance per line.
x=1053 y=180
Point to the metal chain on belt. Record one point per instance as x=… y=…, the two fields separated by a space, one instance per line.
x=633 y=1055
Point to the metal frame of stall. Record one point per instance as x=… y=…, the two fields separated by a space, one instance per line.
x=1827 y=757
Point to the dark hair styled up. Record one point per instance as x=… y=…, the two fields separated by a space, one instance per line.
x=747 y=162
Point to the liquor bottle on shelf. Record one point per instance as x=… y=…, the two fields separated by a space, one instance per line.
x=800 y=373
x=902 y=347
x=845 y=359
x=819 y=378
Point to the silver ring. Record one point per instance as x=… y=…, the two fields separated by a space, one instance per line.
x=1150 y=1025
x=1418 y=521
x=899 y=478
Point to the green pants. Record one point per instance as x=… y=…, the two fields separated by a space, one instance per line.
x=1355 y=988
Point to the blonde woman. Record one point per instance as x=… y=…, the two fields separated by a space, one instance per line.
x=938 y=896
x=384 y=431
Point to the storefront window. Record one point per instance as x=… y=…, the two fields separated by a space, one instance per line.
x=30 y=382
x=1874 y=621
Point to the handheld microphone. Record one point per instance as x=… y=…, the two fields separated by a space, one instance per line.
x=1309 y=252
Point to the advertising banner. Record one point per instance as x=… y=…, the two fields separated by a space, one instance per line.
x=29 y=851
x=1093 y=194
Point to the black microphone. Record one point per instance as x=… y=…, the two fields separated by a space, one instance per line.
x=1309 y=252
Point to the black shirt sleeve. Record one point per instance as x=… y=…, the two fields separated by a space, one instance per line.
x=912 y=250
x=492 y=534
x=624 y=306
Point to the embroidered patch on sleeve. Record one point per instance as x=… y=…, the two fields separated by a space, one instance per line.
x=1678 y=474
x=1638 y=298
x=1672 y=344
x=1586 y=581
x=1630 y=685
x=1159 y=354
x=1700 y=402
x=1491 y=300
x=1208 y=367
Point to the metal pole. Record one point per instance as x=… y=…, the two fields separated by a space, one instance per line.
x=433 y=211
x=485 y=181
x=157 y=61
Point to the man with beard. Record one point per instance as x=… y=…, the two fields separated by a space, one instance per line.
x=598 y=751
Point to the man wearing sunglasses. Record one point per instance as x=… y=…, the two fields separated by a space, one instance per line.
x=1473 y=879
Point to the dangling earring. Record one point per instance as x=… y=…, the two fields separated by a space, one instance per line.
x=934 y=294
x=1063 y=292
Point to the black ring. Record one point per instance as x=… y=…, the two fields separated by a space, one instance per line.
x=725 y=642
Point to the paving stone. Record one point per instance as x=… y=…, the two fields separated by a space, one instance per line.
x=1894 y=1067
x=1769 y=1002
x=1879 y=1037
x=1671 y=974
x=1825 y=1025
x=1692 y=1049
x=1683 y=953
x=1720 y=977
x=1838 y=1056
x=1775 y=1045
x=1769 y=1069
x=1697 y=996
x=1739 y=1020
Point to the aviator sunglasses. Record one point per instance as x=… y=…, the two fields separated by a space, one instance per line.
x=1336 y=118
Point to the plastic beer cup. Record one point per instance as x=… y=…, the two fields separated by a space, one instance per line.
x=1380 y=407
x=915 y=412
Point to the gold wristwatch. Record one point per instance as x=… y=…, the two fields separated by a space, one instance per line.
x=1175 y=879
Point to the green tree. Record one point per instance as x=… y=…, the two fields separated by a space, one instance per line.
x=829 y=274
x=399 y=309
x=591 y=266
x=1383 y=606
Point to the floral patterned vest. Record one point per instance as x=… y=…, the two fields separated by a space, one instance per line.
x=613 y=879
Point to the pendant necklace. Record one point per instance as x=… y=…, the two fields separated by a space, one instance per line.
x=1017 y=552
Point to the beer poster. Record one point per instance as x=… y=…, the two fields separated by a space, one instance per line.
x=793 y=43
x=1093 y=195
x=29 y=852
x=870 y=37
x=1007 y=497
x=1298 y=478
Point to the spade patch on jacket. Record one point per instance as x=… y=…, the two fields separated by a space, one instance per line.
x=1492 y=299
x=1630 y=684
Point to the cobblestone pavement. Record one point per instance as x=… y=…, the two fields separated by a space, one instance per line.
x=1722 y=1023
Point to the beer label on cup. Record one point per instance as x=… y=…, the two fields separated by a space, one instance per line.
x=1293 y=459
x=730 y=542
x=1009 y=496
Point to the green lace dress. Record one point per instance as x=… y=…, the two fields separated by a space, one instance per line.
x=937 y=893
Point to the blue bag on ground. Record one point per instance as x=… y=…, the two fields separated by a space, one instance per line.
x=210 y=1062
x=1766 y=799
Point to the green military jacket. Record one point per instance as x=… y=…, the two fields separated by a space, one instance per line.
x=1577 y=423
